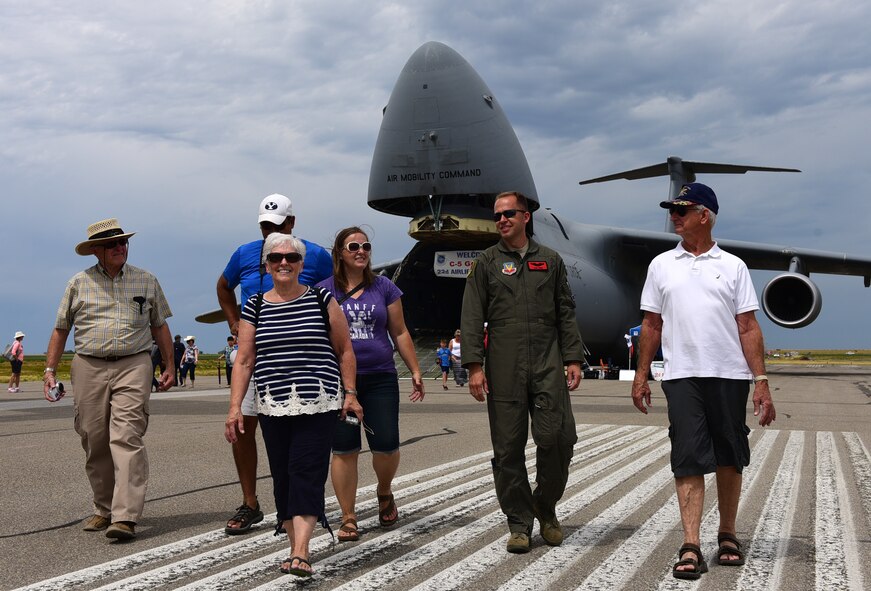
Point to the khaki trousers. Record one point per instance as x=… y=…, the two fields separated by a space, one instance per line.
x=111 y=416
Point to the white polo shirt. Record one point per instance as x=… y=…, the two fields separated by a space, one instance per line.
x=698 y=298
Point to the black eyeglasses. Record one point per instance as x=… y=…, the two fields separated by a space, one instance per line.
x=682 y=210
x=113 y=243
x=508 y=213
x=290 y=257
x=355 y=246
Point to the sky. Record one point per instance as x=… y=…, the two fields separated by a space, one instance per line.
x=178 y=118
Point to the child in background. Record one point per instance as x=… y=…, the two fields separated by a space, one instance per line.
x=444 y=355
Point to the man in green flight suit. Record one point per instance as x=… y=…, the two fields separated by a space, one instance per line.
x=520 y=289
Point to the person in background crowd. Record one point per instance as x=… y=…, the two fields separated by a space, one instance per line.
x=229 y=357
x=177 y=355
x=17 y=362
x=444 y=359
x=189 y=361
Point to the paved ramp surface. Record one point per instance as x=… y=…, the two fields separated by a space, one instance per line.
x=805 y=513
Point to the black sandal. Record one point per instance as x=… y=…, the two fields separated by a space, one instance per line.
x=246 y=517
x=724 y=550
x=699 y=566
x=295 y=570
x=349 y=528
x=385 y=513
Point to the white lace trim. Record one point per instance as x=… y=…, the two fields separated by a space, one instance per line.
x=295 y=405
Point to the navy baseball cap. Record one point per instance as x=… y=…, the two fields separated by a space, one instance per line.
x=694 y=194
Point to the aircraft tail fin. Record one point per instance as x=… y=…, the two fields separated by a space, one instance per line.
x=681 y=172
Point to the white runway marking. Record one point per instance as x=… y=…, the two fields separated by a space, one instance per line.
x=837 y=557
x=452 y=529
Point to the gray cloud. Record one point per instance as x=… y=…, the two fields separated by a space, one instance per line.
x=177 y=119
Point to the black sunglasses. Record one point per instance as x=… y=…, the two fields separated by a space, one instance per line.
x=113 y=243
x=290 y=257
x=682 y=210
x=508 y=213
x=355 y=246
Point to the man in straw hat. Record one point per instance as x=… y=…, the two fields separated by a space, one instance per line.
x=117 y=310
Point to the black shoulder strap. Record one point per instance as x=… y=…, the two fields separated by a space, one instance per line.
x=342 y=299
x=321 y=295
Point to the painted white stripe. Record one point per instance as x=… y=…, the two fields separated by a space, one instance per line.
x=463 y=573
x=767 y=550
x=553 y=564
x=837 y=556
x=616 y=571
x=362 y=553
x=710 y=524
x=249 y=543
x=861 y=461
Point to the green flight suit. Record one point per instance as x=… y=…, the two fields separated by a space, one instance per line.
x=533 y=334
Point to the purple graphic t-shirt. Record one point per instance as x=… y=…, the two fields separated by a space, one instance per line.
x=367 y=319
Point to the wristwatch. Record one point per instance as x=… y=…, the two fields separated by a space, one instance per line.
x=48 y=369
x=760 y=378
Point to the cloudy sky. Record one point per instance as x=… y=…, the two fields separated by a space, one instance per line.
x=177 y=118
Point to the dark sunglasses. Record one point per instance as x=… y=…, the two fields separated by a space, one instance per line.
x=355 y=246
x=113 y=243
x=290 y=257
x=508 y=213
x=682 y=210
x=270 y=227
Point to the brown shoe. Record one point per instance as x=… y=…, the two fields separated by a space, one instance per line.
x=121 y=530
x=96 y=523
x=551 y=530
x=518 y=543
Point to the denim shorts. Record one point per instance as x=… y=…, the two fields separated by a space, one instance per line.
x=378 y=394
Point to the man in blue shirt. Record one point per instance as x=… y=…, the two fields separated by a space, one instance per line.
x=245 y=269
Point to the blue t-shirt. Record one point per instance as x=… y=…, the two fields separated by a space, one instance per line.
x=367 y=320
x=244 y=268
x=444 y=355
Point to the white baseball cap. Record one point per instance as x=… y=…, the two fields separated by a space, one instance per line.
x=275 y=209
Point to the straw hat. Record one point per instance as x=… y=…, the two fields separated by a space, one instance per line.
x=19 y=334
x=99 y=232
x=190 y=337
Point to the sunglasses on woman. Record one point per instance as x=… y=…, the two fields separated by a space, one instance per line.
x=355 y=246
x=290 y=257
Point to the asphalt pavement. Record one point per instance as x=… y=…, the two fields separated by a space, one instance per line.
x=805 y=515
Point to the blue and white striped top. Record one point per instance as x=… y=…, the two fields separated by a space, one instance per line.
x=295 y=370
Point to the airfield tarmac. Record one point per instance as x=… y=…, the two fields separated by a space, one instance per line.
x=806 y=507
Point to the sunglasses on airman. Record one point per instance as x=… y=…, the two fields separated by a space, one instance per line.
x=508 y=213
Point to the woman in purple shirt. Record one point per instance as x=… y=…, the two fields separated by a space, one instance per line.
x=373 y=308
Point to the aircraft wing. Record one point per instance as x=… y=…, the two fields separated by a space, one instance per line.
x=780 y=258
x=214 y=317
x=756 y=255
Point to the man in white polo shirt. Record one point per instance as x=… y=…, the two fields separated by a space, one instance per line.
x=699 y=304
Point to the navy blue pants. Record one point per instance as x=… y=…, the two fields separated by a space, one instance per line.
x=298 y=448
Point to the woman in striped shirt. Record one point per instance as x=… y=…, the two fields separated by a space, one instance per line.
x=294 y=340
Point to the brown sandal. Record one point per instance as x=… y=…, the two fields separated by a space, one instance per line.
x=385 y=513
x=349 y=528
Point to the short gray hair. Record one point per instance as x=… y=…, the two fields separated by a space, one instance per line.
x=277 y=239
x=711 y=216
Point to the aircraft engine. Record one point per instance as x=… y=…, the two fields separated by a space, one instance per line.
x=791 y=300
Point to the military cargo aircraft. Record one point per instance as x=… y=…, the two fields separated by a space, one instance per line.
x=446 y=149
